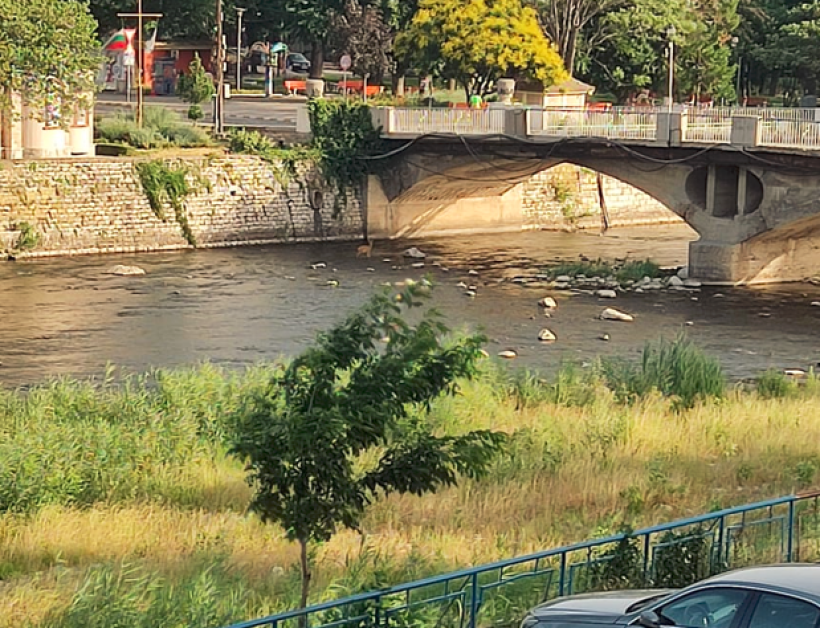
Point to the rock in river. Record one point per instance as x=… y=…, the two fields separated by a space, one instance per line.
x=507 y=354
x=548 y=303
x=611 y=314
x=545 y=335
x=606 y=294
x=126 y=271
x=414 y=253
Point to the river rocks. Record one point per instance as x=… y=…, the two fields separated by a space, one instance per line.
x=125 y=271
x=461 y=284
x=674 y=282
x=561 y=285
x=692 y=283
x=606 y=294
x=563 y=279
x=318 y=265
x=611 y=314
x=414 y=253
x=332 y=283
x=815 y=303
x=683 y=273
x=604 y=337
x=417 y=265
x=548 y=303
x=545 y=335
x=507 y=354
x=470 y=293
x=473 y=273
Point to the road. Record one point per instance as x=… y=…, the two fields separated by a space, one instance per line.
x=277 y=112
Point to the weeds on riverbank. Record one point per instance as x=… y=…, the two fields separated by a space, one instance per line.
x=626 y=270
x=160 y=128
x=169 y=510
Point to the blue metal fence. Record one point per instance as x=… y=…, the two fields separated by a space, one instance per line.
x=779 y=530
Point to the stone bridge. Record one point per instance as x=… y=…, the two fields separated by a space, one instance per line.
x=748 y=181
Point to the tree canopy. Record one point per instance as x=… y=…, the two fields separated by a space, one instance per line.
x=49 y=53
x=344 y=423
x=479 y=41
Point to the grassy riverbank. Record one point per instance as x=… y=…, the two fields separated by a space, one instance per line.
x=122 y=500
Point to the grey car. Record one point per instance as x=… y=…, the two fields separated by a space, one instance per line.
x=774 y=596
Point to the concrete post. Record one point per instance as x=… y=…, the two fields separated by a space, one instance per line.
x=505 y=88
x=315 y=88
x=741 y=191
x=302 y=119
x=711 y=187
x=745 y=131
x=670 y=127
x=515 y=122
x=381 y=117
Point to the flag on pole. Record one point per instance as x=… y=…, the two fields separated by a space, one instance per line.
x=149 y=45
x=118 y=42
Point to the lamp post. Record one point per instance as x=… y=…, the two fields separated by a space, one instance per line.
x=139 y=15
x=220 y=73
x=239 y=12
x=670 y=33
x=734 y=42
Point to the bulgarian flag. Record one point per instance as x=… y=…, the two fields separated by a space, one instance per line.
x=119 y=41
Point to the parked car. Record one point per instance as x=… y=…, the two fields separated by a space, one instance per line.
x=297 y=62
x=774 y=596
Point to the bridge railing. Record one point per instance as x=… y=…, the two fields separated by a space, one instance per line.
x=436 y=120
x=625 y=123
x=670 y=555
x=708 y=125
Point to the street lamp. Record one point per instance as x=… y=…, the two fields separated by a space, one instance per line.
x=239 y=12
x=670 y=34
x=735 y=41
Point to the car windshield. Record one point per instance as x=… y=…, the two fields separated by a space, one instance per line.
x=298 y=57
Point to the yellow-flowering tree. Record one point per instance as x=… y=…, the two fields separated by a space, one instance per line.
x=477 y=42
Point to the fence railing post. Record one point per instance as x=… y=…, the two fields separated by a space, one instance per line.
x=474 y=600
x=645 y=558
x=562 y=574
x=790 y=536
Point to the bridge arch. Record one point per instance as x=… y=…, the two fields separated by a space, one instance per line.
x=731 y=201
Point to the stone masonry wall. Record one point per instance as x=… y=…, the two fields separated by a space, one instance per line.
x=566 y=197
x=99 y=206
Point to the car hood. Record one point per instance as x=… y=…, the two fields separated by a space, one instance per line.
x=599 y=608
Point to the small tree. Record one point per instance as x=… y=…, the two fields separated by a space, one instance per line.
x=348 y=400
x=196 y=87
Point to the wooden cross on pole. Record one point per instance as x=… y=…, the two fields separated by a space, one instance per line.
x=139 y=15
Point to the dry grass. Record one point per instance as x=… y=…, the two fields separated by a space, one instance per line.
x=570 y=472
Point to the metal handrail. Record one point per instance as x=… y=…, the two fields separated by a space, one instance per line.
x=472 y=590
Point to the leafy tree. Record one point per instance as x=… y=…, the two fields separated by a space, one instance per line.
x=479 y=41
x=565 y=20
x=338 y=427
x=184 y=19
x=48 y=53
x=361 y=32
x=195 y=87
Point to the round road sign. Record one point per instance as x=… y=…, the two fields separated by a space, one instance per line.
x=345 y=62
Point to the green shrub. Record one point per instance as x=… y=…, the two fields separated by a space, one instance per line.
x=195 y=87
x=677 y=369
x=774 y=384
x=161 y=127
x=195 y=113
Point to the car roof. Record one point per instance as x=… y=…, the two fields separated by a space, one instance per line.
x=799 y=578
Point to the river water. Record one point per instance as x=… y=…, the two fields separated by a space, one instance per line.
x=67 y=316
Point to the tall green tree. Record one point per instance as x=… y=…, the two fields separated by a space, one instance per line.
x=182 y=19
x=479 y=41
x=361 y=32
x=49 y=53
x=343 y=424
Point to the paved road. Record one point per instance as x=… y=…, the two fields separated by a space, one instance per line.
x=268 y=112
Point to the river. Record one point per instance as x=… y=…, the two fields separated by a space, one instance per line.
x=67 y=316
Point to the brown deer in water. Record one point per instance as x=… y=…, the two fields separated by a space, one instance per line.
x=364 y=250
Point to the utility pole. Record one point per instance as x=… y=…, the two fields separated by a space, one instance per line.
x=139 y=15
x=239 y=12
x=219 y=125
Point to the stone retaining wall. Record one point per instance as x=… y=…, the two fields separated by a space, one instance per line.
x=566 y=196
x=100 y=206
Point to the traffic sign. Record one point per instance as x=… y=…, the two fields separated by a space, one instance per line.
x=345 y=62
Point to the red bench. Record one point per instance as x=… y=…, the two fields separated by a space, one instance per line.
x=355 y=87
x=294 y=87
